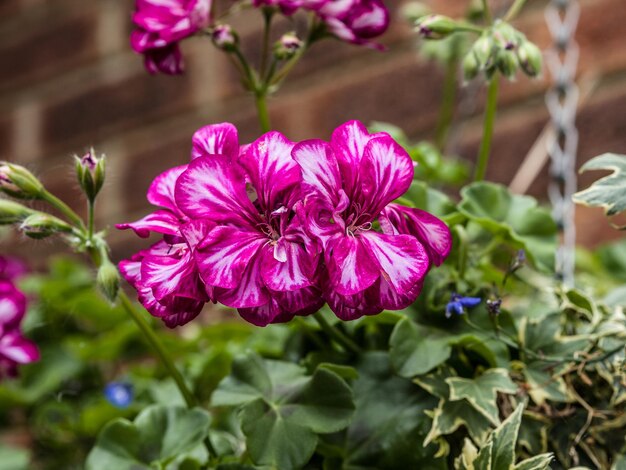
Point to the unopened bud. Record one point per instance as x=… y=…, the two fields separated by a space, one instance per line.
x=224 y=37
x=12 y=212
x=435 y=26
x=413 y=11
x=108 y=280
x=507 y=63
x=471 y=66
x=39 y=225
x=483 y=50
x=287 y=46
x=90 y=171
x=18 y=182
x=508 y=38
x=530 y=58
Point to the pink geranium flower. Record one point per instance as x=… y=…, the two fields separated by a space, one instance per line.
x=14 y=348
x=166 y=276
x=372 y=263
x=256 y=258
x=160 y=25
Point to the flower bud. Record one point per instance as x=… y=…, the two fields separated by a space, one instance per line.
x=90 y=171
x=108 y=280
x=483 y=49
x=530 y=58
x=287 y=46
x=18 y=182
x=39 y=225
x=435 y=26
x=12 y=212
x=506 y=36
x=471 y=66
x=224 y=37
x=507 y=63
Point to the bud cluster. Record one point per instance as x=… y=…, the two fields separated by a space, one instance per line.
x=502 y=49
x=287 y=46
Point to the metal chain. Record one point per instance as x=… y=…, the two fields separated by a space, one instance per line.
x=562 y=100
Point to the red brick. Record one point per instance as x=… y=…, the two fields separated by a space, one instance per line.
x=112 y=108
x=52 y=49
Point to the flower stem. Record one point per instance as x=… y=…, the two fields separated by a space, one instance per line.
x=447 y=103
x=261 y=107
x=158 y=347
x=488 y=125
x=268 y=13
x=63 y=208
x=487 y=12
x=337 y=335
x=514 y=10
x=90 y=219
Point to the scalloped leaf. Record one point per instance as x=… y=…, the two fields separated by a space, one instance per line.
x=608 y=192
x=165 y=437
x=518 y=219
x=282 y=410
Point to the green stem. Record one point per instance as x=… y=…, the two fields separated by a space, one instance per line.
x=337 y=335
x=268 y=13
x=158 y=347
x=63 y=208
x=488 y=125
x=90 y=219
x=487 y=12
x=447 y=104
x=463 y=244
x=263 y=114
x=514 y=10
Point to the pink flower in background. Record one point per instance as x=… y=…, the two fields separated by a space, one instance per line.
x=14 y=348
x=288 y=7
x=351 y=181
x=160 y=25
x=355 y=21
x=256 y=258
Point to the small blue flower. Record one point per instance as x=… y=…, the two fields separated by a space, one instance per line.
x=119 y=394
x=458 y=304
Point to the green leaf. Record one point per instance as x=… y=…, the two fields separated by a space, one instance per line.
x=389 y=422
x=451 y=415
x=159 y=435
x=424 y=197
x=12 y=458
x=283 y=409
x=414 y=351
x=608 y=192
x=482 y=392
x=516 y=218
x=504 y=439
x=538 y=462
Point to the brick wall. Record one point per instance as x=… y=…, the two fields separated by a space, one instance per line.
x=69 y=80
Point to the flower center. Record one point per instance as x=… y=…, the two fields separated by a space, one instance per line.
x=357 y=220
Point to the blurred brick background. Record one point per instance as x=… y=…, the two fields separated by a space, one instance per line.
x=69 y=80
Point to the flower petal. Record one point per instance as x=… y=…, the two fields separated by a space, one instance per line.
x=320 y=170
x=351 y=269
x=215 y=188
x=225 y=253
x=301 y=302
x=12 y=305
x=250 y=292
x=389 y=299
x=351 y=307
x=402 y=259
x=216 y=139
x=262 y=315
x=387 y=172
x=295 y=272
x=432 y=232
x=161 y=191
x=16 y=348
x=161 y=221
x=272 y=169
x=171 y=275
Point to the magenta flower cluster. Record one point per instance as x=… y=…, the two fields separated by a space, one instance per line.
x=14 y=348
x=161 y=24
x=355 y=21
x=276 y=229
